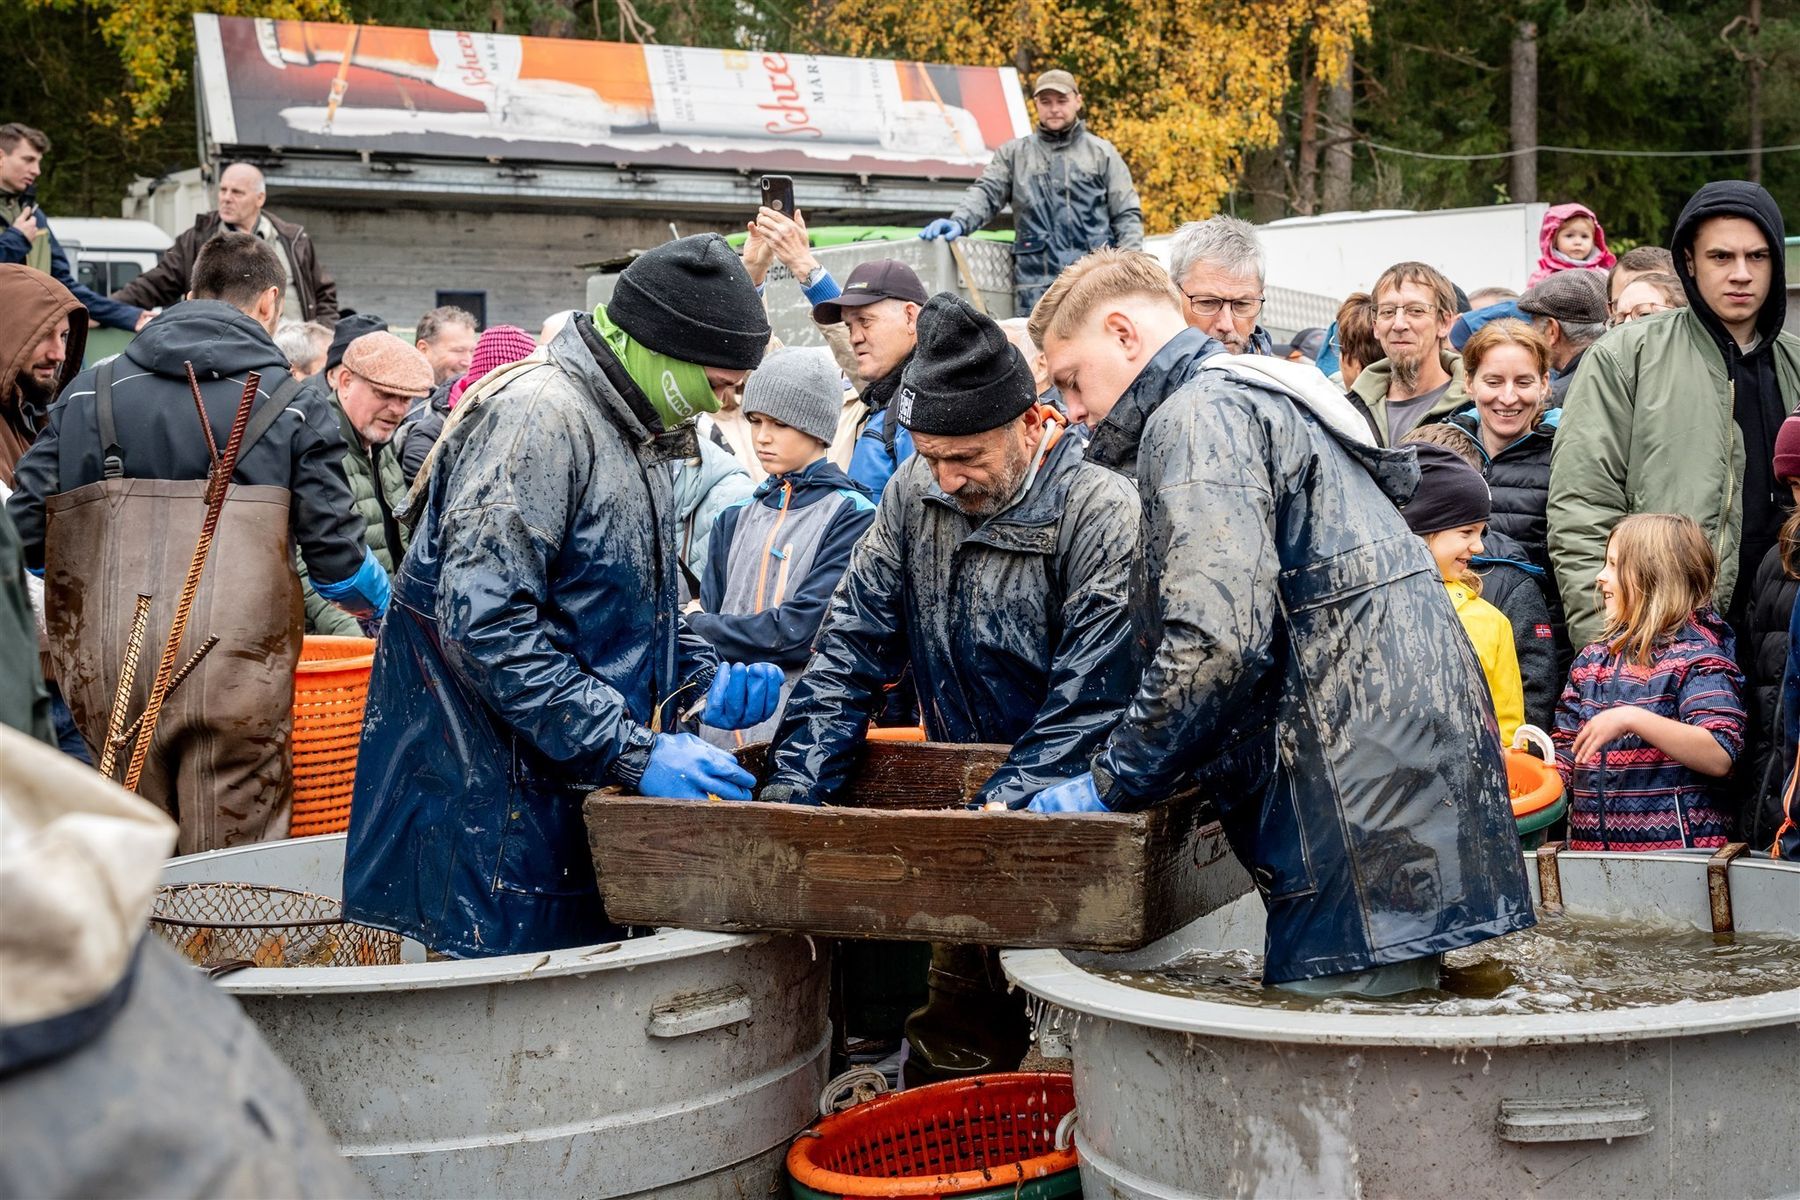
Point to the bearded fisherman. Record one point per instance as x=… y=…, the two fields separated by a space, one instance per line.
x=535 y=647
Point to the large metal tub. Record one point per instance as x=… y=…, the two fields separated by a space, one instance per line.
x=678 y=1065
x=1188 y=1098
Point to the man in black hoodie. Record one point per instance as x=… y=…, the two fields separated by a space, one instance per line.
x=108 y=504
x=1645 y=426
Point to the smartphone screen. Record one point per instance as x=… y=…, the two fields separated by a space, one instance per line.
x=778 y=193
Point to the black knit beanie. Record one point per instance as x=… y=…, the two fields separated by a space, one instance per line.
x=347 y=331
x=965 y=377
x=1451 y=493
x=692 y=300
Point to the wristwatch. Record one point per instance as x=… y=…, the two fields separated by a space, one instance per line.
x=813 y=277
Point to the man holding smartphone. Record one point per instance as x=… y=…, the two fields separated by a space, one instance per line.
x=25 y=235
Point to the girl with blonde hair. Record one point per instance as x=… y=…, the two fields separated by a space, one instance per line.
x=1653 y=711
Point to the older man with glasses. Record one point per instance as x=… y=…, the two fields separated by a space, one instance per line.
x=1218 y=265
x=1420 y=380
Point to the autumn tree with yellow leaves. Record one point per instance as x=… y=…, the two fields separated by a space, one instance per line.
x=1183 y=87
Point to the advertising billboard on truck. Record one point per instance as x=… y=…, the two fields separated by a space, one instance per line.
x=315 y=86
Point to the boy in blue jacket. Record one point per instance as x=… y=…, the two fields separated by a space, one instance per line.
x=777 y=556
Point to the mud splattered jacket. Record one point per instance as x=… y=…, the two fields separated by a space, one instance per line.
x=1016 y=628
x=1070 y=193
x=535 y=637
x=1308 y=669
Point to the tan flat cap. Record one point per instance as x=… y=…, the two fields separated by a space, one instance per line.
x=390 y=364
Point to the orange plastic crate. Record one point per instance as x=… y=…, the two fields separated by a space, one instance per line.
x=331 y=688
x=961 y=1137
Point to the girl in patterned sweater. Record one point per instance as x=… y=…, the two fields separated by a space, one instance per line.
x=1653 y=710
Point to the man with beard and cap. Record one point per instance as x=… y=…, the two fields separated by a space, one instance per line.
x=1307 y=669
x=1419 y=379
x=109 y=503
x=998 y=568
x=1069 y=190
x=40 y=351
x=1678 y=412
x=536 y=649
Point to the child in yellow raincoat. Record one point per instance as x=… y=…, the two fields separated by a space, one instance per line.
x=1450 y=511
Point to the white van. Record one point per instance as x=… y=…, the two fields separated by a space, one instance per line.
x=106 y=253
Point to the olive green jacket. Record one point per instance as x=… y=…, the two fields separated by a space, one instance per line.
x=378 y=490
x=1648 y=426
x=1370 y=393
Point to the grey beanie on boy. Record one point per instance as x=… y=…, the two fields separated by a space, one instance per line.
x=800 y=387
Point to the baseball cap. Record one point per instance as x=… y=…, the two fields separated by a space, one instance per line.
x=1576 y=296
x=1308 y=342
x=883 y=279
x=1055 y=81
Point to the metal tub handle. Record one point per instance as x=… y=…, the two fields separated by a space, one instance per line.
x=1574 y=1119
x=699 y=1012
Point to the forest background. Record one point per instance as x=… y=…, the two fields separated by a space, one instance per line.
x=1264 y=108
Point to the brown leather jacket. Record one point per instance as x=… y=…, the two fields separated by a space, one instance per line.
x=167 y=282
x=33 y=302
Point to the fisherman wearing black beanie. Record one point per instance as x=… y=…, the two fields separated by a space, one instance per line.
x=692 y=300
x=543 y=650
x=965 y=377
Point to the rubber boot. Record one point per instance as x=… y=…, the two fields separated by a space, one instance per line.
x=970 y=1024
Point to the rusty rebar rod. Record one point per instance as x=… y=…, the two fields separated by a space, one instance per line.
x=212 y=447
x=134 y=647
x=218 y=485
x=186 y=669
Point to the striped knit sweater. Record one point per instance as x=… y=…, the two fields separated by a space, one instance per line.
x=1635 y=797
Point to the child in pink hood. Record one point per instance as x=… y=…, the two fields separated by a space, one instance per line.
x=1571 y=240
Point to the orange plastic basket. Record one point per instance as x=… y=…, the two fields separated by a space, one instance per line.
x=331 y=686
x=1534 y=784
x=946 y=1139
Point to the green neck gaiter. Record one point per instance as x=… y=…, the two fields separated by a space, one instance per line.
x=678 y=391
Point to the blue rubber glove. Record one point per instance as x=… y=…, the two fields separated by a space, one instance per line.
x=364 y=594
x=944 y=228
x=682 y=767
x=1075 y=795
x=742 y=695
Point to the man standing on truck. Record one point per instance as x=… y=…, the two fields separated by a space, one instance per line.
x=1070 y=193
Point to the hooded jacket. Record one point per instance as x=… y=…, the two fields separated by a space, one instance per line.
x=1551 y=260
x=533 y=648
x=1371 y=388
x=159 y=434
x=1017 y=629
x=96 y=1006
x=1308 y=670
x=1667 y=414
x=33 y=303
x=167 y=282
x=1491 y=634
x=1070 y=193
